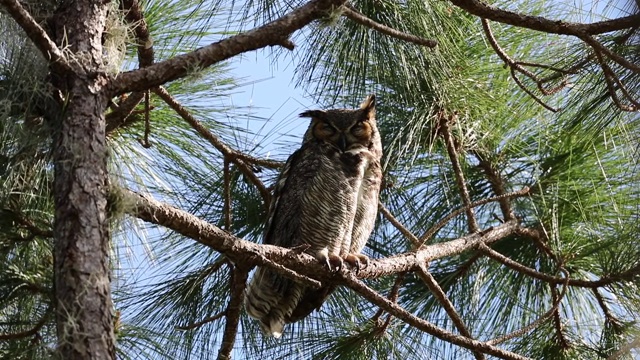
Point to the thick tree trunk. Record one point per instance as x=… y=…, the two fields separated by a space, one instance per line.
x=82 y=270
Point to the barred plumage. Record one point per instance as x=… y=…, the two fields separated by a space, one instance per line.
x=326 y=197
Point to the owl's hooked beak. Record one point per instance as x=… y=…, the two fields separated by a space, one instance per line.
x=342 y=143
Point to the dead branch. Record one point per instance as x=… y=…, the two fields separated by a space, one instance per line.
x=356 y=16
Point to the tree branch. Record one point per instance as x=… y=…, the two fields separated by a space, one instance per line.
x=273 y=33
x=249 y=253
x=539 y=23
x=238 y=283
x=434 y=229
x=228 y=153
x=36 y=33
x=442 y=298
x=396 y=310
x=455 y=162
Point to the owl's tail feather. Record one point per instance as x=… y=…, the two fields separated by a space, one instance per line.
x=271 y=299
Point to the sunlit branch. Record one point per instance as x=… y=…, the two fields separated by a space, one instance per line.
x=272 y=33
x=353 y=14
x=249 y=253
x=540 y=23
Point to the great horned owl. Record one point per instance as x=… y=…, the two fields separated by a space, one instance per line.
x=326 y=198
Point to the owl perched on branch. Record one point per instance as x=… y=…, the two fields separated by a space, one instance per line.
x=325 y=200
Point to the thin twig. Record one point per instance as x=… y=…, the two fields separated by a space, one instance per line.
x=147 y=121
x=432 y=231
x=544 y=317
x=516 y=67
x=443 y=299
x=402 y=314
x=204 y=321
x=457 y=169
x=38 y=35
x=227 y=195
x=236 y=298
x=403 y=230
x=603 y=281
x=393 y=296
x=352 y=13
x=497 y=184
x=611 y=78
x=598 y=47
x=33 y=331
x=226 y=151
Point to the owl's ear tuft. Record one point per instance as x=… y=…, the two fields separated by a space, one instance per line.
x=369 y=106
x=318 y=114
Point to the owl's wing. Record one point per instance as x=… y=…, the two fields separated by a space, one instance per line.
x=284 y=212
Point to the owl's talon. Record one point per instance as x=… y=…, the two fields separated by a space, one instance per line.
x=334 y=262
x=357 y=261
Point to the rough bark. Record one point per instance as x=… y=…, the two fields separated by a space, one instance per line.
x=82 y=270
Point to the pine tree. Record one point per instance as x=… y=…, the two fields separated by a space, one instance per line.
x=132 y=200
